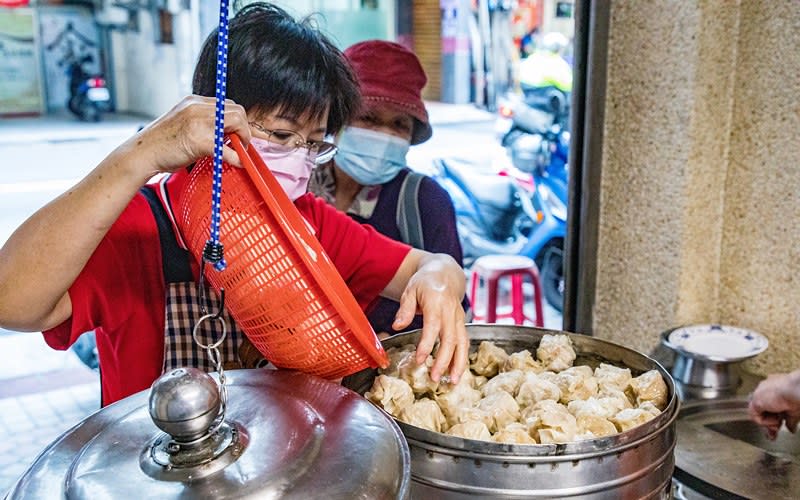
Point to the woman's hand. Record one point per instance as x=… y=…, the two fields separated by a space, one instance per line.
x=777 y=399
x=436 y=290
x=186 y=133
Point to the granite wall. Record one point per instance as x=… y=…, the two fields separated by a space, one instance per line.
x=700 y=212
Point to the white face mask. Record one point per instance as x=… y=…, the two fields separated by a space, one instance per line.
x=292 y=170
x=370 y=157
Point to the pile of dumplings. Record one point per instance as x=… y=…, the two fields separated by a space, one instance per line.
x=518 y=398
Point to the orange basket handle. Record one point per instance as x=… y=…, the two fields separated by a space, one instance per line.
x=294 y=226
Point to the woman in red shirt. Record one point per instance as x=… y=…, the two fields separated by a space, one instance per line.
x=104 y=256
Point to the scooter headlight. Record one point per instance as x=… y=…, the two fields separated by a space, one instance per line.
x=556 y=206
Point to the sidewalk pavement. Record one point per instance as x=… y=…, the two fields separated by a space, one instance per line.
x=42 y=394
x=442 y=114
x=63 y=127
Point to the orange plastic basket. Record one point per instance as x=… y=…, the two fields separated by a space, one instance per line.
x=280 y=286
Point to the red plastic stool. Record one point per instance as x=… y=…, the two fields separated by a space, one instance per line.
x=490 y=268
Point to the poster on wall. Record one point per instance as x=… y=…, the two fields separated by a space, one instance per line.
x=20 y=83
x=69 y=37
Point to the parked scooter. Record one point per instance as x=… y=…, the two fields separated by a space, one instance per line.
x=494 y=213
x=88 y=94
x=537 y=144
x=505 y=212
x=536 y=141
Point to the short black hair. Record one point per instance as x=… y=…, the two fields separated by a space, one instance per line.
x=276 y=63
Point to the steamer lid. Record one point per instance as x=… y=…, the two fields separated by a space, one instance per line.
x=288 y=435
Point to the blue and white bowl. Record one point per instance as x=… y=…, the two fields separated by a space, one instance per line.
x=707 y=358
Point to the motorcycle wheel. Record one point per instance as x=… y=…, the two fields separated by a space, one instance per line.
x=552 y=276
x=91 y=113
x=73 y=106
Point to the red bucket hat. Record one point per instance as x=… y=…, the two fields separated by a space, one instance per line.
x=390 y=74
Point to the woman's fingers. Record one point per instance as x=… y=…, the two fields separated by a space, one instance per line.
x=406 y=311
x=236 y=122
x=447 y=346
x=460 y=357
x=230 y=156
x=427 y=340
x=791 y=422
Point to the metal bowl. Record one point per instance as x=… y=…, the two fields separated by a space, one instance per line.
x=706 y=375
x=637 y=463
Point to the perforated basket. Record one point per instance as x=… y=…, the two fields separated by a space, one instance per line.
x=280 y=286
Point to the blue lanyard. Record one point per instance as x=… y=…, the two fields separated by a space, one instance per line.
x=213 y=251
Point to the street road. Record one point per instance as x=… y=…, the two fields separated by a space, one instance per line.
x=42 y=158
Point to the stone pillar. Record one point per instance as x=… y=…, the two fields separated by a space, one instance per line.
x=700 y=192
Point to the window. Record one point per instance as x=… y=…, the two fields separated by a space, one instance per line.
x=564 y=9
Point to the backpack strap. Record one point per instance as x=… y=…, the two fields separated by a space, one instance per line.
x=174 y=259
x=408 y=218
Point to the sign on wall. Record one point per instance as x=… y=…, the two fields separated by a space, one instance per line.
x=20 y=83
x=69 y=36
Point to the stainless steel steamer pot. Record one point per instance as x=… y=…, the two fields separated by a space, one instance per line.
x=635 y=464
x=289 y=435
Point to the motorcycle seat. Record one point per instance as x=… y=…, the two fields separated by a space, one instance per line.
x=489 y=188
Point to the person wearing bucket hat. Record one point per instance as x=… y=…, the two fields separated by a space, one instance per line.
x=109 y=256
x=368 y=178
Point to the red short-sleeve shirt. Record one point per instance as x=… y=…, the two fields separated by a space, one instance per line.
x=120 y=293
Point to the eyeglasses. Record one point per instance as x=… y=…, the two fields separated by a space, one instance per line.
x=285 y=142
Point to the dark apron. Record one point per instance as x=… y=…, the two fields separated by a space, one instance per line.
x=183 y=306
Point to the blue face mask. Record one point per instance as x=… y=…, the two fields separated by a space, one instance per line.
x=370 y=157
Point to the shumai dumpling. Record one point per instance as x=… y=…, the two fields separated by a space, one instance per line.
x=649 y=386
x=564 y=432
x=502 y=407
x=550 y=422
x=522 y=360
x=594 y=426
x=417 y=376
x=650 y=407
x=610 y=392
x=507 y=381
x=612 y=377
x=462 y=415
x=467 y=377
x=424 y=413
x=471 y=430
x=391 y=394
x=532 y=414
x=451 y=397
x=556 y=352
x=577 y=382
x=536 y=388
x=632 y=417
x=488 y=359
x=549 y=376
x=605 y=407
x=396 y=354
x=514 y=433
